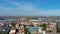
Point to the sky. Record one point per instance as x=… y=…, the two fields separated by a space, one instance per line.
x=29 y=7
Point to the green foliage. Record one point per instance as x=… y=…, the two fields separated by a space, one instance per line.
x=29 y=32
x=58 y=30
x=2 y=18
x=32 y=24
x=43 y=27
x=49 y=31
x=8 y=30
x=26 y=30
x=13 y=24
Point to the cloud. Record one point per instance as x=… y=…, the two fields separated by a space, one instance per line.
x=15 y=3
x=51 y=13
x=23 y=8
x=4 y=8
x=28 y=10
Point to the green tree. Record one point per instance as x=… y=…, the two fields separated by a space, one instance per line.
x=43 y=26
x=13 y=24
x=26 y=30
x=32 y=24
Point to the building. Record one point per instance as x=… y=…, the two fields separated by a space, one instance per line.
x=50 y=26
x=21 y=30
x=13 y=30
x=34 y=29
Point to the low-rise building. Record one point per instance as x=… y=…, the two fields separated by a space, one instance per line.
x=50 y=26
x=21 y=30
x=34 y=29
x=13 y=30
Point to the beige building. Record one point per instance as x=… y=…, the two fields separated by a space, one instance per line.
x=13 y=30
x=21 y=30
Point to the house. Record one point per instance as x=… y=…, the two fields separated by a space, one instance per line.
x=17 y=25
x=13 y=30
x=21 y=30
x=50 y=26
x=34 y=29
x=1 y=24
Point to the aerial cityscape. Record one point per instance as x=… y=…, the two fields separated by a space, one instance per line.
x=29 y=16
x=29 y=25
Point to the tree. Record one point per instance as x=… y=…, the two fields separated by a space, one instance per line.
x=58 y=30
x=32 y=24
x=44 y=27
x=13 y=24
x=26 y=30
